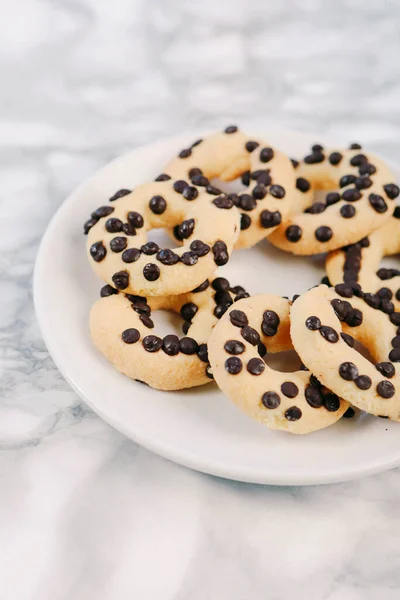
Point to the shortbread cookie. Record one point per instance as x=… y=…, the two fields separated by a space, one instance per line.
x=267 y=172
x=360 y=262
x=120 y=254
x=323 y=328
x=123 y=330
x=361 y=204
x=294 y=402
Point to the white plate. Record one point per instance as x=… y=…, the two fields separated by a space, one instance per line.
x=198 y=428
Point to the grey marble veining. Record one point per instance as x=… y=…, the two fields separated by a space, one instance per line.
x=85 y=513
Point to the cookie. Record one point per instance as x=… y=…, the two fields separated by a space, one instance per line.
x=361 y=203
x=323 y=328
x=122 y=329
x=207 y=226
x=294 y=402
x=361 y=262
x=267 y=173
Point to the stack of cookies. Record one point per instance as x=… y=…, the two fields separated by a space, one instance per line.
x=227 y=332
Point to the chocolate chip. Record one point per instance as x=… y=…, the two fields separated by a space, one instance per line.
x=293 y=413
x=102 y=211
x=394 y=355
x=372 y=300
x=214 y=191
x=387 y=306
x=387 y=273
x=349 y=414
x=271 y=400
x=348 y=371
x=197 y=142
x=170 y=345
x=317 y=148
x=151 y=272
x=233 y=365
x=255 y=366
x=293 y=233
x=185 y=153
x=195 y=172
x=367 y=169
x=302 y=184
x=392 y=190
x=363 y=183
x=277 y=191
x=344 y=289
x=364 y=243
x=335 y=158
x=246 y=178
x=185 y=229
x=180 y=185
x=323 y=233
x=342 y=308
x=130 y=336
x=114 y=225
x=190 y=193
x=188 y=345
x=314 y=158
x=347 y=211
x=385 y=389
x=231 y=129
x=395 y=318
x=209 y=372
x=261 y=349
x=220 y=284
x=162 y=177
x=316 y=208
x=152 y=343
x=355 y=318
x=189 y=258
x=355 y=146
x=332 y=198
x=325 y=281
x=121 y=280
x=220 y=252
x=245 y=221
x=147 y=322
x=88 y=225
x=118 y=244
x=377 y=203
x=98 y=251
x=387 y=369
x=234 y=347
x=199 y=248
x=351 y=195
x=128 y=229
x=202 y=352
x=270 y=219
x=313 y=396
x=157 y=205
x=385 y=293
x=167 y=257
x=247 y=202
x=348 y=339
x=135 y=219
x=358 y=159
x=331 y=402
x=186 y=327
x=131 y=255
x=262 y=176
x=313 y=323
x=347 y=180
x=223 y=202
x=289 y=389
x=150 y=248
x=259 y=192
x=238 y=318
x=198 y=180
x=363 y=382
x=270 y=317
x=107 y=290
x=188 y=311
x=266 y=155
x=249 y=334
x=120 y=194
x=250 y=146
x=329 y=334
x=295 y=163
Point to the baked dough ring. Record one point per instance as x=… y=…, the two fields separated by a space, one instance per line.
x=123 y=331
x=360 y=262
x=293 y=402
x=268 y=174
x=323 y=326
x=361 y=204
x=117 y=242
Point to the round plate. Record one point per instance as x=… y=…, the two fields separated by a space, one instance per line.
x=199 y=428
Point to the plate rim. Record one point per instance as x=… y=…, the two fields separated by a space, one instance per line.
x=186 y=458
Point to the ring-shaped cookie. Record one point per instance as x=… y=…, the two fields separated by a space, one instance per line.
x=323 y=329
x=293 y=402
x=360 y=262
x=361 y=204
x=267 y=173
x=123 y=331
x=117 y=239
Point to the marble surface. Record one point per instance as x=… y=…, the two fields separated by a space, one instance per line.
x=85 y=513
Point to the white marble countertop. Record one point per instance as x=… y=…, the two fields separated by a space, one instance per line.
x=85 y=513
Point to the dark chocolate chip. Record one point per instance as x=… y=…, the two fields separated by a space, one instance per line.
x=385 y=389
x=363 y=183
x=234 y=347
x=185 y=153
x=98 y=251
x=289 y=389
x=262 y=176
x=199 y=180
x=202 y=352
x=363 y=382
x=367 y=169
x=102 y=211
x=349 y=414
x=358 y=159
x=185 y=229
x=188 y=311
x=223 y=202
x=220 y=284
x=259 y=192
x=394 y=355
x=131 y=255
x=194 y=172
x=313 y=323
x=344 y=289
x=395 y=318
x=377 y=203
x=270 y=219
x=150 y=248
x=348 y=339
x=88 y=225
x=387 y=369
x=347 y=211
x=121 y=280
x=245 y=221
x=180 y=185
x=331 y=402
x=293 y=413
x=325 y=281
x=157 y=205
x=162 y=177
x=130 y=336
x=114 y=225
x=270 y=400
x=355 y=318
x=347 y=180
x=152 y=343
x=170 y=345
x=118 y=244
x=316 y=208
x=261 y=349
x=247 y=202
x=189 y=258
x=231 y=129
x=151 y=272
x=372 y=300
x=314 y=396
x=120 y=194
x=355 y=146
x=315 y=157
x=387 y=306
x=250 y=335
x=209 y=372
x=385 y=293
x=135 y=219
x=302 y=184
x=233 y=365
x=246 y=178
x=220 y=252
x=147 y=322
x=190 y=193
x=256 y=366
x=295 y=163
x=188 y=345
x=251 y=146
x=128 y=229
x=197 y=142
x=329 y=334
x=392 y=190
x=348 y=371
x=214 y=191
x=270 y=317
x=238 y=318
x=107 y=290
x=293 y=233
x=266 y=155
x=167 y=257
x=199 y=248
x=332 y=198
x=335 y=158
x=351 y=195
x=323 y=233
x=277 y=191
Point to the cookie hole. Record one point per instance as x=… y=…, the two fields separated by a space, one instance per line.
x=167 y=322
x=285 y=362
x=390 y=262
x=161 y=237
x=229 y=187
